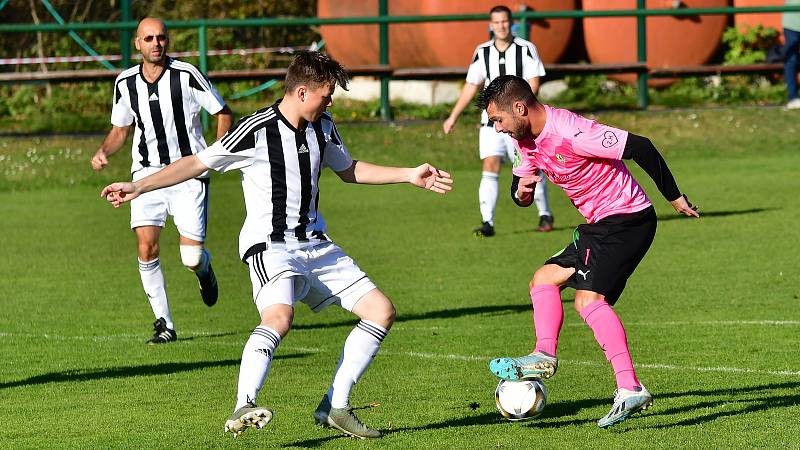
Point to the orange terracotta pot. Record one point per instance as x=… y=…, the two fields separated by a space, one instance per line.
x=439 y=44
x=359 y=45
x=671 y=40
x=767 y=19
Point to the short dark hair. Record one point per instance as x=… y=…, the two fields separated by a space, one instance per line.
x=500 y=9
x=503 y=91
x=314 y=69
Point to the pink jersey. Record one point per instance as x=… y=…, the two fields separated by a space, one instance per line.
x=584 y=158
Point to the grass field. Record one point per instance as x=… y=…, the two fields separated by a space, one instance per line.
x=711 y=313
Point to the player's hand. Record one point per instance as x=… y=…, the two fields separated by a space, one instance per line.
x=99 y=160
x=683 y=206
x=526 y=187
x=448 y=125
x=119 y=193
x=428 y=177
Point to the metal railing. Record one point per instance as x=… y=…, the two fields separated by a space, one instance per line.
x=384 y=20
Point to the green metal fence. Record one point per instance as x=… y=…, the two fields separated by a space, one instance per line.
x=384 y=20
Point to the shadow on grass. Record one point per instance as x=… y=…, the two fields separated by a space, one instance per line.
x=676 y=216
x=441 y=314
x=742 y=400
x=213 y=335
x=166 y=368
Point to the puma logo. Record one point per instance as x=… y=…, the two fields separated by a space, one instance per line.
x=583 y=274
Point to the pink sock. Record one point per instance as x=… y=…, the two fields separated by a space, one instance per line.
x=610 y=334
x=548 y=316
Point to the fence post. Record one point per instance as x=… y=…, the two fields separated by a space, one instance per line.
x=523 y=24
x=125 y=35
x=641 y=54
x=383 y=37
x=202 y=50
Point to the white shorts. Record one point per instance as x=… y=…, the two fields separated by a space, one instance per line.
x=186 y=202
x=323 y=275
x=492 y=143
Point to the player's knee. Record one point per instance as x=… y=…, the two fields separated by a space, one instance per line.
x=191 y=255
x=148 y=251
x=585 y=298
x=377 y=308
x=548 y=275
x=279 y=317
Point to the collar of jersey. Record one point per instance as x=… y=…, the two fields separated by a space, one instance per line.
x=166 y=67
x=284 y=119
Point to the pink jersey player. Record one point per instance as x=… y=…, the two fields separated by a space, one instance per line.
x=584 y=158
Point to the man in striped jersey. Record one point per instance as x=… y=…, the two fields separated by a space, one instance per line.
x=505 y=54
x=161 y=98
x=281 y=151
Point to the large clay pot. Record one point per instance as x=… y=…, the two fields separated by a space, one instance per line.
x=354 y=45
x=433 y=44
x=765 y=19
x=671 y=40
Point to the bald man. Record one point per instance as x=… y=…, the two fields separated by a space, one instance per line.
x=161 y=100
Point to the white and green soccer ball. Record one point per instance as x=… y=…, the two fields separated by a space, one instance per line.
x=520 y=400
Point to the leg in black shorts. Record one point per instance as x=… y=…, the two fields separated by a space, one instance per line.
x=604 y=254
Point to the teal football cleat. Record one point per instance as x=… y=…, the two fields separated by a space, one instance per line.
x=535 y=365
x=626 y=403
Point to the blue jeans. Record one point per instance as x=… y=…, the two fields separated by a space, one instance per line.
x=790 y=50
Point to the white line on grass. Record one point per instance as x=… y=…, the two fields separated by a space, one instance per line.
x=784 y=373
x=780 y=373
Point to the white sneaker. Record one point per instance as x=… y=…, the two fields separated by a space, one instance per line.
x=626 y=403
x=793 y=104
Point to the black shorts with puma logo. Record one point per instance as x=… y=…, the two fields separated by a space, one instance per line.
x=605 y=254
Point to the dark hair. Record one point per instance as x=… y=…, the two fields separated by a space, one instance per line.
x=314 y=69
x=501 y=9
x=503 y=91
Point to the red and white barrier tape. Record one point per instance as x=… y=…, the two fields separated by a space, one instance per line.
x=69 y=59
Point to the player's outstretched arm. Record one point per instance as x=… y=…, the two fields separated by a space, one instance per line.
x=645 y=154
x=177 y=172
x=467 y=93
x=425 y=176
x=113 y=142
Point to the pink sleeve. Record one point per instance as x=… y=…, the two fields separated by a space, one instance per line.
x=591 y=139
x=523 y=167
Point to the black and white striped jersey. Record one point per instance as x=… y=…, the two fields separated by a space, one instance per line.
x=165 y=113
x=280 y=168
x=520 y=59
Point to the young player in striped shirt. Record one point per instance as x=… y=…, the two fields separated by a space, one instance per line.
x=281 y=151
x=505 y=54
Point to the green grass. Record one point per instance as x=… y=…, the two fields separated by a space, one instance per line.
x=711 y=313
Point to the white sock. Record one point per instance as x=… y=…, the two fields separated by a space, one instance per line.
x=487 y=196
x=360 y=348
x=202 y=269
x=256 y=360
x=156 y=289
x=540 y=197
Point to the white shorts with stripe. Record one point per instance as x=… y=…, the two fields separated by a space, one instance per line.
x=492 y=143
x=323 y=275
x=186 y=202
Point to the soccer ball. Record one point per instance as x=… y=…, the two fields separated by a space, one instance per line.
x=520 y=400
